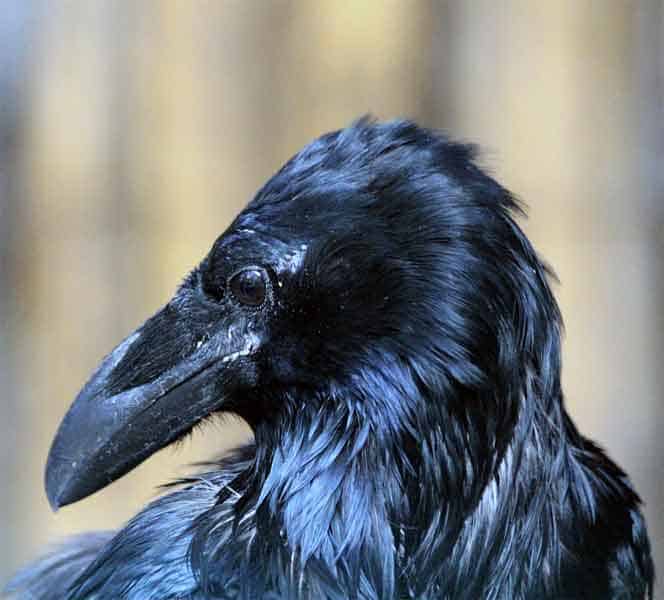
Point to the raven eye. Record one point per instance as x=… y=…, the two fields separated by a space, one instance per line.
x=249 y=286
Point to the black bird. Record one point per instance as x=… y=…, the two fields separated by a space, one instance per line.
x=388 y=332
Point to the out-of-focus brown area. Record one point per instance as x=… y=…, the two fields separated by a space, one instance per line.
x=132 y=132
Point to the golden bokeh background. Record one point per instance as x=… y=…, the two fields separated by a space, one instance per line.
x=132 y=132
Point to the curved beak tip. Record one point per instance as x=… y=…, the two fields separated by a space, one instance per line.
x=55 y=491
x=59 y=490
x=54 y=502
x=54 y=499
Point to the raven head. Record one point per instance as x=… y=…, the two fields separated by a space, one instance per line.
x=379 y=266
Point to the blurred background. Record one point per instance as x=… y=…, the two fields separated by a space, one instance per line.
x=132 y=132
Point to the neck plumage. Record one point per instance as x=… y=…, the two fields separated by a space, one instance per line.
x=415 y=502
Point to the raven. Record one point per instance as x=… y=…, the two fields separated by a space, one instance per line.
x=389 y=333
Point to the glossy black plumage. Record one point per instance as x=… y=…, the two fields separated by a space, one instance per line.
x=402 y=378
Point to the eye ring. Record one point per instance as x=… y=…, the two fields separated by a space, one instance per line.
x=249 y=286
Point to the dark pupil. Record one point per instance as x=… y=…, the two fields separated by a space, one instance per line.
x=249 y=287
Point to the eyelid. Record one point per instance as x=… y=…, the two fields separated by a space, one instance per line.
x=260 y=268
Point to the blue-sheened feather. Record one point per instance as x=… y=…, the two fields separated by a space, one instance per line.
x=411 y=438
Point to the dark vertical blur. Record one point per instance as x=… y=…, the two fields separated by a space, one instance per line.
x=131 y=133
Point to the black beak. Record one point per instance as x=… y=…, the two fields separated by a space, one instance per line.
x=182 y=365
